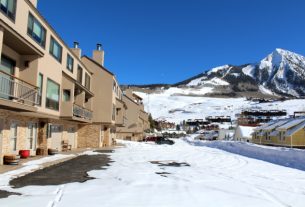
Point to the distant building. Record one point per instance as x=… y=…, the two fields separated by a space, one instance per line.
x=136 y=119
x=243 y=133
x=285 y=132
x=225 y=134
x=219 y=119
x=163 y=125
x=258 y=117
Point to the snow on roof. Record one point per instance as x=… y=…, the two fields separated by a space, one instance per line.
x=275 y=125
x=295 y=129
x=246 y=131
x=291 y=124
x=264 y=126
x=274 y=133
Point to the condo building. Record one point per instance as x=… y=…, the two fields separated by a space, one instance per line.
x=136 y=122
x=109 y=110
x=44 y=86
x=50 y=96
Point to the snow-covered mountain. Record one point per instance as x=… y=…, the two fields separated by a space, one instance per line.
x=280 y=73
x=221 y=91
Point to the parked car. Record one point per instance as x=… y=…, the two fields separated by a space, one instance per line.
x=162 y=140
x=151 y=139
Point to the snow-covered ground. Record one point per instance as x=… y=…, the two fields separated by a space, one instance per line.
x=170 y=105
x=214 y=178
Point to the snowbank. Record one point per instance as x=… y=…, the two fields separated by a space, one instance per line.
x=293 y=158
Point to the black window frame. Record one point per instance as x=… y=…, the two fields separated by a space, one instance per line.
x=40 y=90
x=6 y=12
x=69 y=57
x=79 y=75
x=63 y=95
x=51 y=50
x=30 y=32
x=87 y=81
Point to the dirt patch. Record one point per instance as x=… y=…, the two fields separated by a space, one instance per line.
x=163 y=174
x=170 y=164
x=74 y=170
x=5 y=194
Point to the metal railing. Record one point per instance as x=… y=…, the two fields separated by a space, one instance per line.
x=13 y=88
x=81 y=112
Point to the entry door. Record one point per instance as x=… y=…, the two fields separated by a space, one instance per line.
x=1 y=134
x=6 y=69
x=56 y=137
x=31 y=136
x=71 y=137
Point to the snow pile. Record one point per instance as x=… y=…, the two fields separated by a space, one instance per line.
x=293 y=158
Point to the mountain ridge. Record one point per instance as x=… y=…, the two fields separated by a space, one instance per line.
x=281 y=73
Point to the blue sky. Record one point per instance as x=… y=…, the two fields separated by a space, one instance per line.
x=166 y=41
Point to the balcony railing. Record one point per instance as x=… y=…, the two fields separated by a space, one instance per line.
x=81 y=112
x=13 y=88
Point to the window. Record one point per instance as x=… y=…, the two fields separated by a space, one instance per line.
x=79 y=74
x=8 y=67
x=87 y=81
x=113 y=112
x=40 y=83
x=282 y=136
x=55 y=49
x=36 y=30
x=70 y=63
x=114 y=86
x=13 y=136
x=8 y=7
x=1 y=129
x=52 y=99
x=31 y=136
x=66 y=95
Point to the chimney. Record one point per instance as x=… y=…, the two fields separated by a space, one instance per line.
x=76 y=50
x=98 y=54
x=34 y=2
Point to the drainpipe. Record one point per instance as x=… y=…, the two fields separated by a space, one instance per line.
x=290 y=141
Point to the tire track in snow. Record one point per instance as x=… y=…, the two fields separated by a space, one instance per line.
x=59 y=192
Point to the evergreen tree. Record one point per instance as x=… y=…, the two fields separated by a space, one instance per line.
x=151 y=122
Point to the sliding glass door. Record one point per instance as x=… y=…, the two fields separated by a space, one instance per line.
x=6 y=83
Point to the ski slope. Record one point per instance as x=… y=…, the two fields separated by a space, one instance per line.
x=172 y=106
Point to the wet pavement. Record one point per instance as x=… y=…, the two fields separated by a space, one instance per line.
x=73 y=170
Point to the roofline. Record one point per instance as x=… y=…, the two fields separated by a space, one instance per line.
x=55 y=33
x=139 y=97
x=97 y=64
x=131 y=100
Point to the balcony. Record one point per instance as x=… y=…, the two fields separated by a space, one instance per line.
x=81 y=112
x=16 y=93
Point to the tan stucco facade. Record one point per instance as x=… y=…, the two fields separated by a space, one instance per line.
x=136 y=120
x=51 y=99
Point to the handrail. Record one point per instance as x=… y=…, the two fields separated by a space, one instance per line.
x=82 y=112
x=14 y=77
x=83 y=107
x=12 y=88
